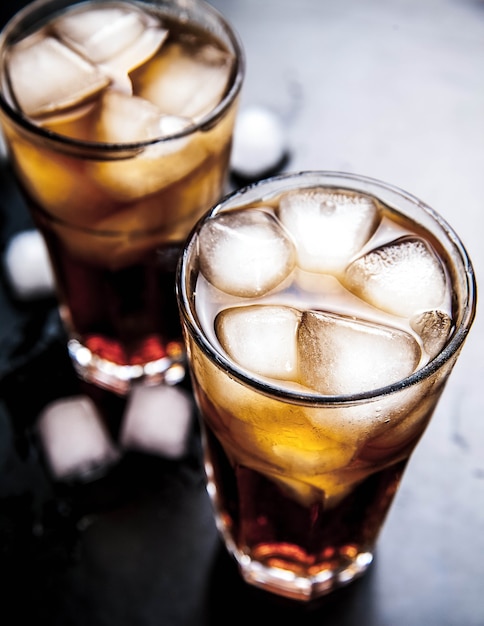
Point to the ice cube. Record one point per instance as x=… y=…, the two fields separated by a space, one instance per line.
x=299 y=461
x=138 y=53
x=75 y=441
x=27 y=265
x=245 y=253
x=261 y=338
x=340 y=355
x=259 y=143
x=434 y=328
x=103 y=34
x=129 y=119
x=183 y=81
x=46 y=76
x=329 y=227
x=329 y=488
x=401 y=277
x=157 y=420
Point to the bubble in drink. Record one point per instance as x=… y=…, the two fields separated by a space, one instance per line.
x=341 y=355
x=329 y=227
x=401 y=277
x=261 y=338
x=245 y=253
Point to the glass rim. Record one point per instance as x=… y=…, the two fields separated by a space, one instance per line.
x=204 y=124
x=272 y=389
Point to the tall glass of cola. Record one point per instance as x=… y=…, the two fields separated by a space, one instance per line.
x=118 y=117
x=323 y=313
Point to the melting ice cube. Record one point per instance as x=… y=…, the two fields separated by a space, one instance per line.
x=402 y=277
x=28 y=265
x=129 y=119
x=259 y=143
x=46 y=76
x=74 y=438
x=434 y=327
x=306 y=463
x=329 y=227
x=101 y=34
x=245 y=253
x=157 y=420
x=183 y=81
x=125 y=119
x=339 y=355
x=261 y=338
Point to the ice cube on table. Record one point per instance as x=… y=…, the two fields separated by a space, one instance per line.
x=340 y=355
x=157 y=420
x=259 y=143
x=54 y=183
x=434 y=328
x=46 y=76
x=329 y=227
x=102 y=34
x=245 y=252
x=184 y=81
x=401 y=277
x=261 y=338
x=27 y=265
x=74 y=439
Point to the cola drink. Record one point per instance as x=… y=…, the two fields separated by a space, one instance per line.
x=118 y=119
x=323 y=314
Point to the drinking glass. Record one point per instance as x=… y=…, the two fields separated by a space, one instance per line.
x=323 y=313
x=119 y=124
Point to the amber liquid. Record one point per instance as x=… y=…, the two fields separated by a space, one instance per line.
x=127 y=316
x=278 y=531
x=262 y=519
x=300 y=490
x=114 y=226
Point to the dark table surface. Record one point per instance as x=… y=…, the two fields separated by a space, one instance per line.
x=393 y=90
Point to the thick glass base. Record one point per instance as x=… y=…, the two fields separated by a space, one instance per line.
x=308 y=586
x=118 y=378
